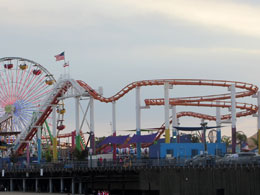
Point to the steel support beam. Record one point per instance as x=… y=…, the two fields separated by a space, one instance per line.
x=77 y=123
x=166 y=112
x=138 y=118
x=218 y=123
x=174 y=124
x=54 y=133
x=114 y=127
x=233 y=116
x=92 y=126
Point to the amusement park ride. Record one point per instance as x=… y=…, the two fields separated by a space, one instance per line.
x=32 y=107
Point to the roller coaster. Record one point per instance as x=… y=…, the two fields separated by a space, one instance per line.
x=30 y=98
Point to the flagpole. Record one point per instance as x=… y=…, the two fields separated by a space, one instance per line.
x=64 y=64
x=64 y=57
x=69 y=69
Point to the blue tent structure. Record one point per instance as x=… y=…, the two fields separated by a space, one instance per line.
x=142 y=138
x=114 y=140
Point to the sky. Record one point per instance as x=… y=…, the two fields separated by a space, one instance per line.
x=113 y=43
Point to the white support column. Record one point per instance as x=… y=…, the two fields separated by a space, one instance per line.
x=61 y=185
x=54 y=128
x=178 y=136
x=166 y=112
x=174 y=124
x=218 y=123
x=114 y=117
x=138 y=118
x=92 y=127
x=77 y=122
x=258 y=120
x=233 y=116
x=138 y=109
x=54 y=133
x=114 y=127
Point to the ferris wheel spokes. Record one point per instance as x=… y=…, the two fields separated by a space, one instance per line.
x=22 y=89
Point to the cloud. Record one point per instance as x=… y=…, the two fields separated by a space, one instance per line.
x=58 y=14
x=220 y=15
x=168 y=51
x=216 y=15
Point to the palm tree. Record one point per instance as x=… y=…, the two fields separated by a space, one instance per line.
x=80 y=155
x=241 y=138
x=226 y=139
x=195 y=138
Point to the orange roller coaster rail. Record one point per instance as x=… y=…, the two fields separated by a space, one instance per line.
x=248 y=89
x=205 y=101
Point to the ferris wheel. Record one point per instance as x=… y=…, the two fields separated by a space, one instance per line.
x=24 y=85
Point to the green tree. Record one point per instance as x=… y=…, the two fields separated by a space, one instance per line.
x=13 y=157
x=226 y=139
x=241 y=137
x=195 y=138
x=80 y=155
x=48 y=156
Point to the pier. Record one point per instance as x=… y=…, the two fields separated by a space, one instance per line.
x=143 y=177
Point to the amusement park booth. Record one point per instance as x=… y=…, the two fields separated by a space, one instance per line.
x=188 y=150
x=185 y=149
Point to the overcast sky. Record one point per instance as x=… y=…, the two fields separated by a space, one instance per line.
x=112 y=43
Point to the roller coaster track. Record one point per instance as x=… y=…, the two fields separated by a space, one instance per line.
x=62 y=87
x=200 y=116
x=206 y=101
x=249 y=89
x=249 y=109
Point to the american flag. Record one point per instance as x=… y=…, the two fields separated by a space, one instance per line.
x=66 y=64
x=60 y=56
